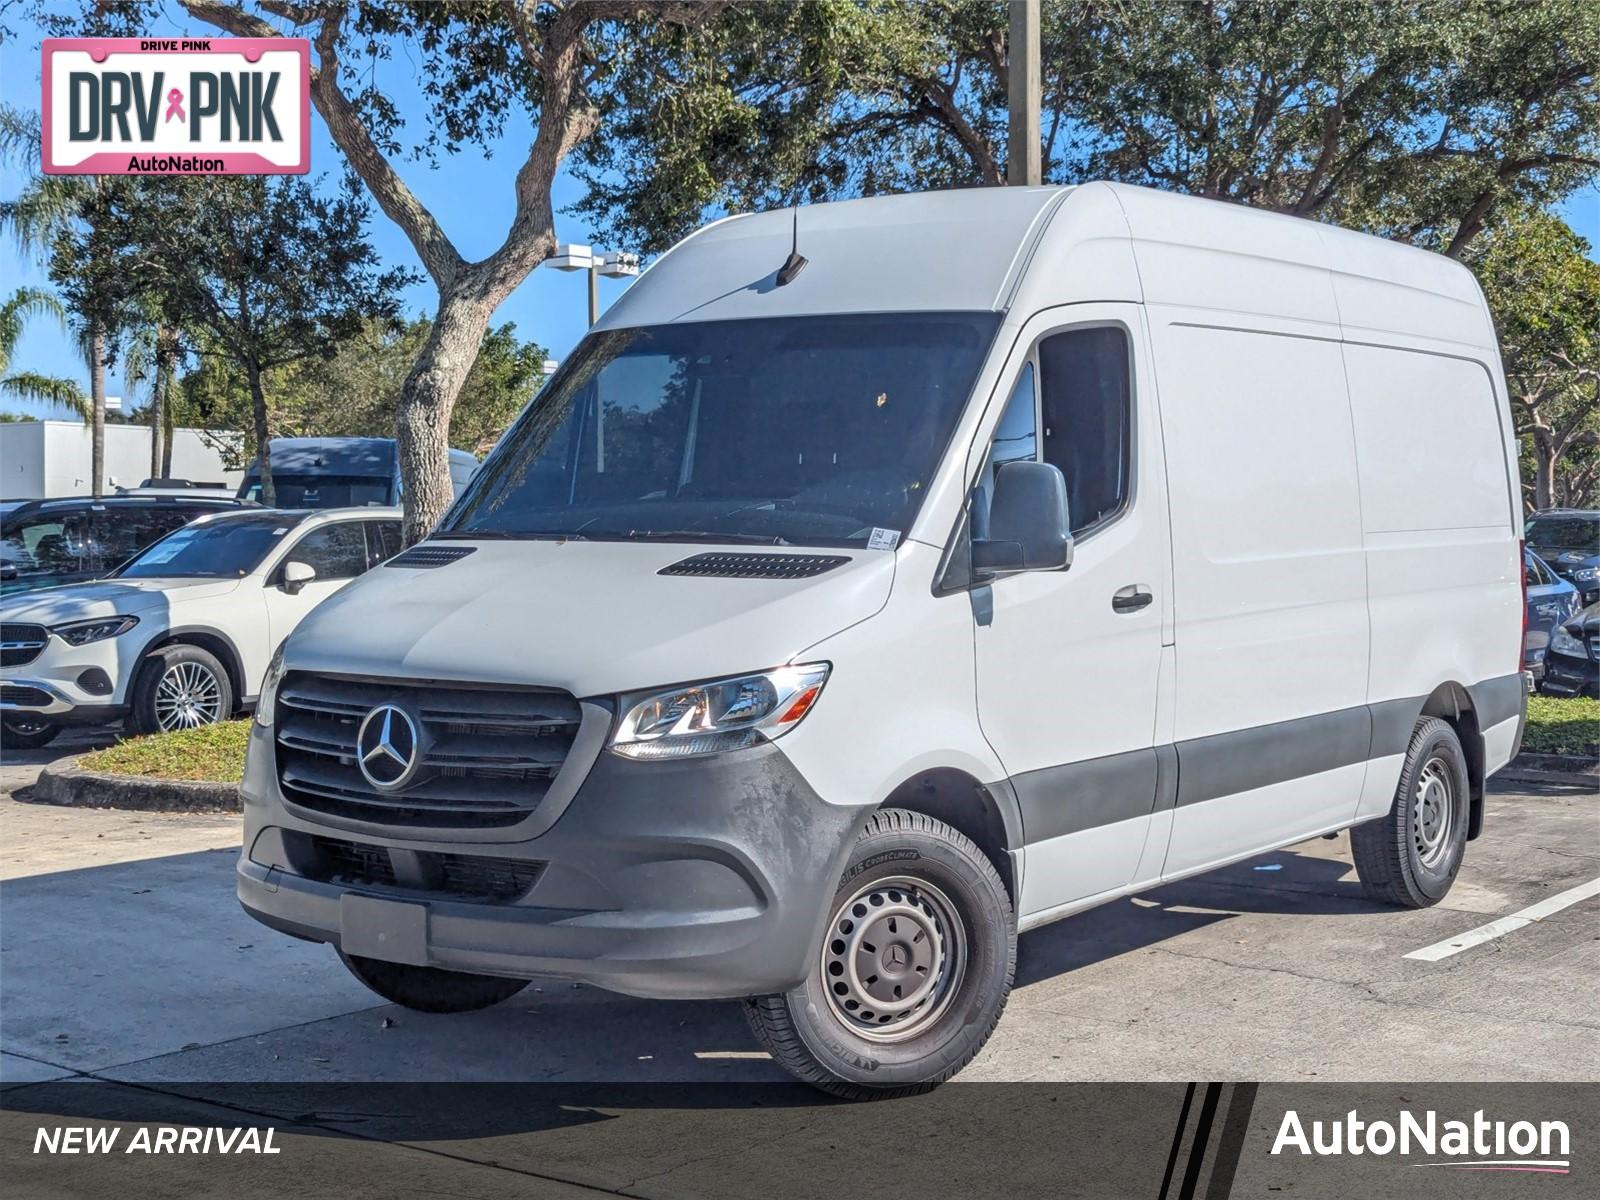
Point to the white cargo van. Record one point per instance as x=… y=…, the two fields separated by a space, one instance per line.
x=877 y=582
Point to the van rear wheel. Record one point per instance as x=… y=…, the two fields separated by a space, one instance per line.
x=1411 y=856
x=431 y=989
x=913 y=971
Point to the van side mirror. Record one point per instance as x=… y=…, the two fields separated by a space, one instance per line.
x=296 y=575
x=1028 y=525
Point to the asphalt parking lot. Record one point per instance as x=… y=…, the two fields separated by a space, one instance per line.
x=126 y=957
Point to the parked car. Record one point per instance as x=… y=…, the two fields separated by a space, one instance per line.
x=1572 y=666
x=45 y=543
x=341 y=472
x=178 y=487
x=181 y=635
x=845 y=604
x=1568 y=539
x=1551 y=602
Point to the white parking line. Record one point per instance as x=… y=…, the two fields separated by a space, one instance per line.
x=1503 y=925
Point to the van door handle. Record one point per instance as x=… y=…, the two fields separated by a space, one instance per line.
x=1131 y=598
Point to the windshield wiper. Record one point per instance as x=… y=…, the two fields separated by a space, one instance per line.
x=503 y=535
x=701 y=535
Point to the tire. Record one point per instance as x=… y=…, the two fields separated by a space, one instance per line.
x=170 y=675
x=1411 y=856
x=431 y=989
x=906 y=872
x=27 y=733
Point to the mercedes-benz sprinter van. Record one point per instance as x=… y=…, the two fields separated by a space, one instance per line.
x=341 y=472
x=877 y=582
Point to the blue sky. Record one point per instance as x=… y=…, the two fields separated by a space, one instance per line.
x=470 y=193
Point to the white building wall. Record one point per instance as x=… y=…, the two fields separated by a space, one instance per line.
x=52 y=458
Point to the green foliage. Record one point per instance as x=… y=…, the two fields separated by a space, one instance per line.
x=355 y=392
x=1563 y=725
x=1417 y=119
x=1544 y=290
x=273 y=270
x=210 y=753
x=23 y=305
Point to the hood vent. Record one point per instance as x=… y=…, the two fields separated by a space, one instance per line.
x=756 y=566
x=426 y=556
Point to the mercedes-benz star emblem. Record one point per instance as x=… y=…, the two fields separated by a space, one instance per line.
x=386 y=747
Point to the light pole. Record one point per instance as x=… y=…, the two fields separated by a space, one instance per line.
x=614 y=264
x=1023 y=87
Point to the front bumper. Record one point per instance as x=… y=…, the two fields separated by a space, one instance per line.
x=73 y=683
x=1569 y=676
x=702 y=879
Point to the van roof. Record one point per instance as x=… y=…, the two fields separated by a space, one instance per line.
x=1031 y=248
x=338 y=455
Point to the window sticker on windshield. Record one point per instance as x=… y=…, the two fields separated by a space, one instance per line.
x=883 y=539
x=165 y=551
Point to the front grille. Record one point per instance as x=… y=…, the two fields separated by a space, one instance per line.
x=21 y=644
x=755 y=566
x=1594 y=647
x=470 y=877
x=487 y=755
x=24 y=697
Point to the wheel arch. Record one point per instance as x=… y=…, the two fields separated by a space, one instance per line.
x=1452 y=703
x=987 y=814
x=215 y=643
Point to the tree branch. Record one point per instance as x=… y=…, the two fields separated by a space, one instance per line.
x=438 y=254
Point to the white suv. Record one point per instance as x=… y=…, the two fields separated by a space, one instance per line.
x=180 y=635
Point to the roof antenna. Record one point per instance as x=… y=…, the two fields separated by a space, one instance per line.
x=796 y=262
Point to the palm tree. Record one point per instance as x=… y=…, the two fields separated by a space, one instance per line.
x=24 y=304
x=48 y=206
x=150 y=355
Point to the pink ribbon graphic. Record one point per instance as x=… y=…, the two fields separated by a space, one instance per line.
x=175 y=106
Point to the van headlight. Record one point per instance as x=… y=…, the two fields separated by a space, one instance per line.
x=96 y=629
x=268 y=699
x=719 y=715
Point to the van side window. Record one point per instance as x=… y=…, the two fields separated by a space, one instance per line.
x=1086 y=407
x=1016 y=437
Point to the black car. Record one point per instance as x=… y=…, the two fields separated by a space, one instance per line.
x=1572 y=663
x=1568 y=539
x=48 y=542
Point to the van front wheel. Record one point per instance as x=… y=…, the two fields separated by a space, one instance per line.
x=1410 y=857
x=913 y=971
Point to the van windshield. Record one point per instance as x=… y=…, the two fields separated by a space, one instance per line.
x=785 y=431
x=320 y=491
x=1581 y=531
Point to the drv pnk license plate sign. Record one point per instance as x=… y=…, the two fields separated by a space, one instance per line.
x=177 y=106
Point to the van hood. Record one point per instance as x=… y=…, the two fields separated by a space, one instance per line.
x=107 y=597
x=590 y=617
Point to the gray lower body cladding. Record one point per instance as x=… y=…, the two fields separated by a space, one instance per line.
x=1075 y=797
x=701 y=879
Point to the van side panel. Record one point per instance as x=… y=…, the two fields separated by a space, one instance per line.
x=1269 y=586
x=1440 y=541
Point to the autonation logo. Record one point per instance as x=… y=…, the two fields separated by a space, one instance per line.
x=1479 y=1144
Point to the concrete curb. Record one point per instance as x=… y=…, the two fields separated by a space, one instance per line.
x=68 y=785
x=1532 y=767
